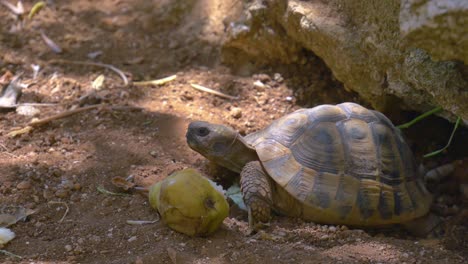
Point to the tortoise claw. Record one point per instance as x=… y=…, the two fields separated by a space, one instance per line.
x=254 y=226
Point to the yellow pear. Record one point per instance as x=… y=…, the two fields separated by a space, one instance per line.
x=189 y=203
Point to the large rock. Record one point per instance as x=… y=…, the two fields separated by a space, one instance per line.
x=361 y=43
x=440 y=27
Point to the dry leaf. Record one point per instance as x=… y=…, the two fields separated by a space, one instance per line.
x=98 y=83
x=122 y=183
x=172 y=254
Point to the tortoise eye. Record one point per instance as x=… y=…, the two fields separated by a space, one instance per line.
x=203 y=131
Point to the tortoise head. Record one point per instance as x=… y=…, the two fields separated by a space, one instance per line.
x=220 y=144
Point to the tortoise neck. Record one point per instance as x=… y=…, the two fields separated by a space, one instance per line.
x=239 y=154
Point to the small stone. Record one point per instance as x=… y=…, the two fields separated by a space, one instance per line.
x=61 y=193
x=133 y=238
x=277 y=77
x=27 y=110
x=332 y=229
x=106 y=202
x=259 y=84
x=187 y=96
x=262 y=77
x=68 y=248
x=154 y=153
x=405 y=255
x=77 y=186
x=236 y=112
x=24 y=185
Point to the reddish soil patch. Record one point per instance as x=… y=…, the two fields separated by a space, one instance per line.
x=66 y=160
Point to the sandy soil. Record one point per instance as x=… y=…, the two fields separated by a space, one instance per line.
x=56 y=169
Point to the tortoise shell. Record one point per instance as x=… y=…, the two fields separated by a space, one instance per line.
x=345 y=164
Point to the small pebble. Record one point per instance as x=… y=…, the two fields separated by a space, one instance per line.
x=332 y=229
x=27 y=110
x=259 y=84
x=61 y=193
x=277 y=77
x=154 y=153
x=24 y=185
x=68 y=248
x=77 y=186
x=236 y=112
x=133 y=238
x=263 y=77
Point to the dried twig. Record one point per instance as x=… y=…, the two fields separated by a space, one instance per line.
x=50 y=43
x=62 y=115
x=88 y=63
x=141 y=222
x=8 y=253
x=21 y=131
x=40 y=122
x=17 y=10
x=104 y=191
x=156 y=82
x=66 y=210
x=36 y=104
x=7 y=151
x=209 y=90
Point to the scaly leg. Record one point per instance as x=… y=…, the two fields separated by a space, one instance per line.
x=256 y=191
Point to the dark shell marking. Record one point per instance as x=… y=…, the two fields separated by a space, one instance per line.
x=344 y=161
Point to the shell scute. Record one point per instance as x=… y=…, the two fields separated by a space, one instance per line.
x=346 y=164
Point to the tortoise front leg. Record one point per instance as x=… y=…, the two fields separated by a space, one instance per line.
x=256 y=191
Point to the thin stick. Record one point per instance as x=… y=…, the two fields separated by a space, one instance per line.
x=211 y=91
x=35 y=104
x=420 y=117
x=98 y=64
x=141 y=222
x=156 y=82
x=8 y=253
x=66 y=210
x=7 y=151
x=62 y=115
x=448 y=143
x=104 y=191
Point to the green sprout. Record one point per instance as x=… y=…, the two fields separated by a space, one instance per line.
x=424 y=115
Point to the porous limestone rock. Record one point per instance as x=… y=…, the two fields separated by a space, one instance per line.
x=368 y=46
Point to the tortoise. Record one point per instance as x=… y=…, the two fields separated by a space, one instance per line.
x=332 y=164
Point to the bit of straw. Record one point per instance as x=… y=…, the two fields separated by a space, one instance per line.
x=62 y=115
x=24 y=130
x=7 y=151
x=420 y=117
x=211 y=91
x=104 y=191
x=141 y=222
x=448 y=143
x=40 y=122
x=50 y=43
x=66 y=210
x=36 y=8
x=17 y=10
x=8 y=253
x=156 y=82
x=97 y=64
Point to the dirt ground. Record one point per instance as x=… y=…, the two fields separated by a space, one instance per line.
x=57 y=168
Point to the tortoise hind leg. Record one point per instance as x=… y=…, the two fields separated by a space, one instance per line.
x=429 y=225
x=256 y=191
